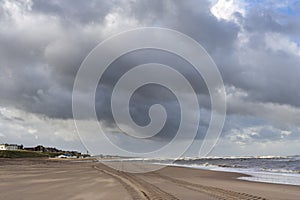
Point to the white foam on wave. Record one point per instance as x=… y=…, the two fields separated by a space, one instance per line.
x=269 y=177
x=255 y=175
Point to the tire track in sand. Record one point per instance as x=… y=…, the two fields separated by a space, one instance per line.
x=215 y=192
x=136 y=187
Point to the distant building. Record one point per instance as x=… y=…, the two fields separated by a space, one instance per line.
x=37 y=148
x=10 y=147
x=66 y=156
x=41 y=148
x=2 y=147
x=29 y=148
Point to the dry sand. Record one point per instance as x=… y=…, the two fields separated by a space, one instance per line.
x=43 y=179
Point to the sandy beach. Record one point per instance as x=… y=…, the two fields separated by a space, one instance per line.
x=45 y=179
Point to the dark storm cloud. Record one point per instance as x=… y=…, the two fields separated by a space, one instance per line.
x=149 y=95
x=43 y=43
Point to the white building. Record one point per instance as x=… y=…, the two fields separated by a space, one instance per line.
x=2 y=147
x=66 y=156
x=10 y=147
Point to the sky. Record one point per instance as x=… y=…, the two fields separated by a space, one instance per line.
x=255 y=45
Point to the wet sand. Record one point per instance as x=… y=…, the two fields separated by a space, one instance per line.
x=44 y=179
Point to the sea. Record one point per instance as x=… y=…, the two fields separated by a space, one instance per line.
x=269 y=169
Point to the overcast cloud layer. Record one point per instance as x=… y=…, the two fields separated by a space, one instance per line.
x=256 y=47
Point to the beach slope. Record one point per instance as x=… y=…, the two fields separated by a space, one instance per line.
x=64 y=179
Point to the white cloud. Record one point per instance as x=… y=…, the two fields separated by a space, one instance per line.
x=279 y=42
x=285 y=134
x=225 y=9
x=17 y=126
x=226 y=147
x=16 y=9
x=116 y=21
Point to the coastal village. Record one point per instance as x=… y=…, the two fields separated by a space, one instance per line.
x=42 y=151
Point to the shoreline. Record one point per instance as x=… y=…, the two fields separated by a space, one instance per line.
x=253 y=175
x=246 y=174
